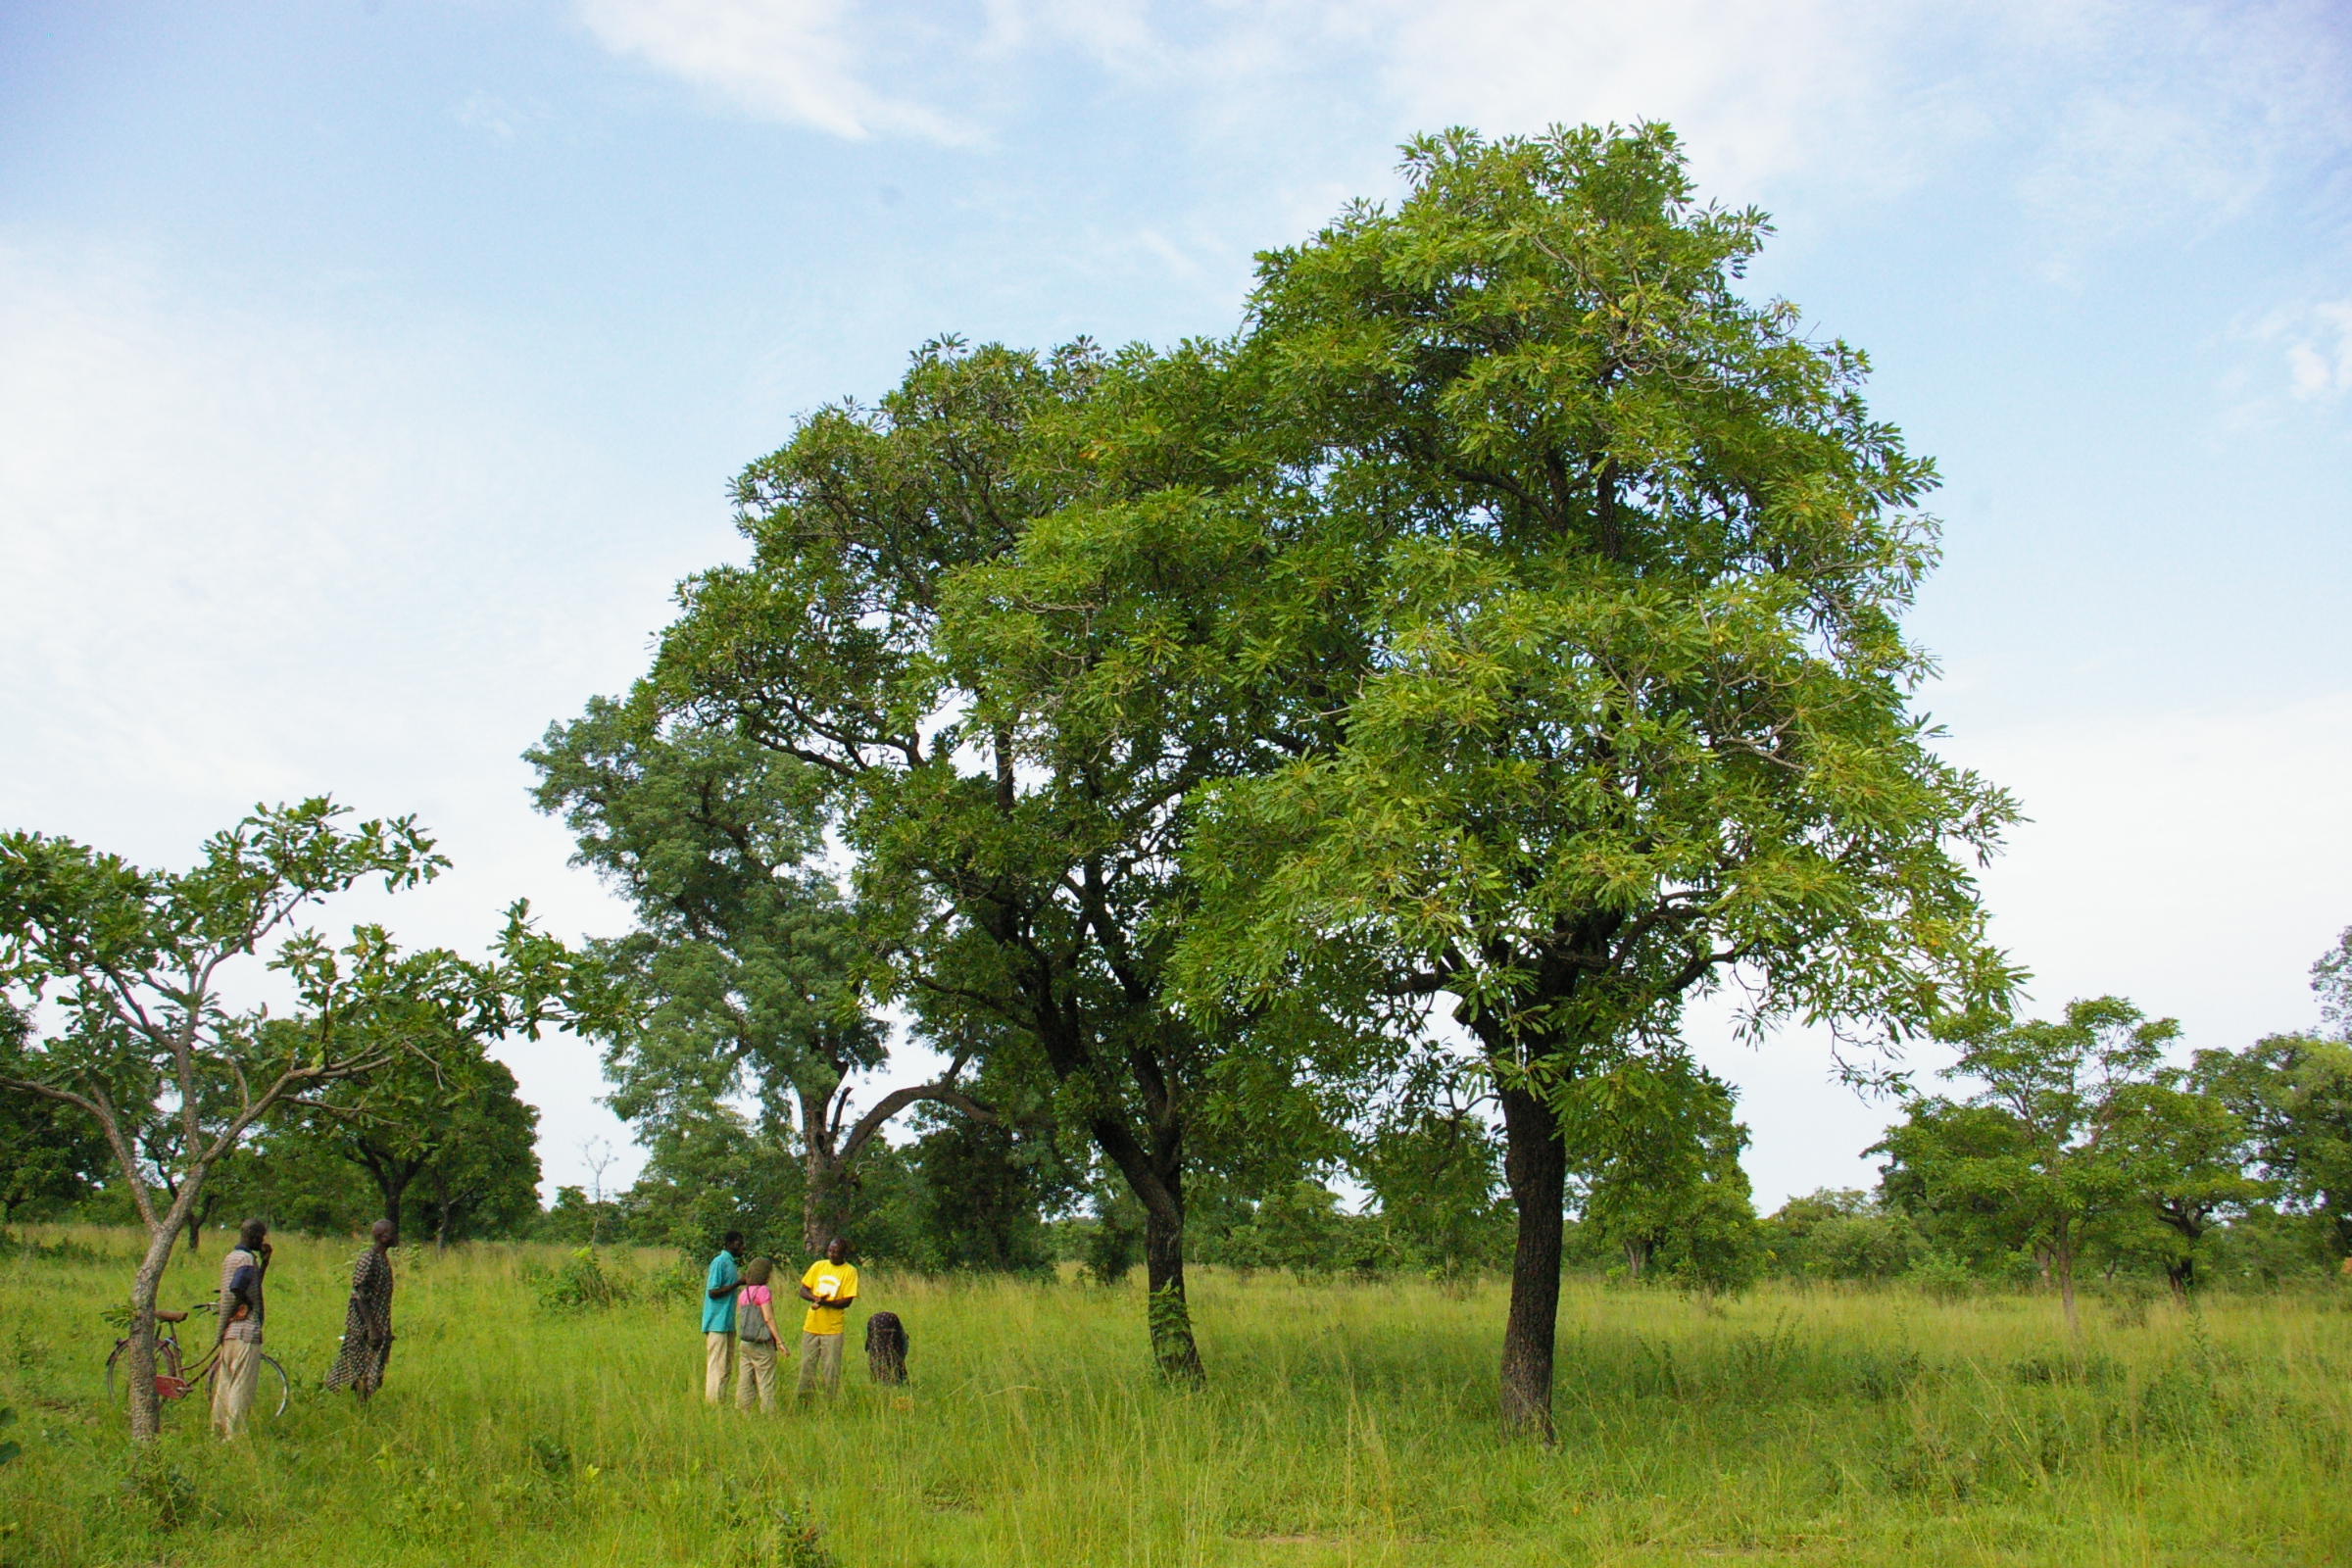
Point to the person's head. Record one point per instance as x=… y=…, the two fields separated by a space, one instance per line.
x=732 y=1242
x=382 y=1234
x=252 y=1234
x=836 y=1250
x=757 y=1271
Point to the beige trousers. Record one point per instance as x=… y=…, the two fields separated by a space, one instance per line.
x=820 y=1358
x=718 y=1358
x=234 y=1377
x=756 y=1374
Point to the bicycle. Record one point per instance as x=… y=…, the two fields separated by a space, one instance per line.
x=175 y=1380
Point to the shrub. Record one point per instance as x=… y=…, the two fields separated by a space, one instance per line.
x=583 y=1285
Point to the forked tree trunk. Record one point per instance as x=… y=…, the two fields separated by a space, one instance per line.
x=1535 y=1168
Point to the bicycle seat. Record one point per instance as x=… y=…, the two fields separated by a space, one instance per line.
x=162 y=1315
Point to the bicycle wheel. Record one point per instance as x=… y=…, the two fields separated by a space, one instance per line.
x=118 y=1368
x=271 y=1376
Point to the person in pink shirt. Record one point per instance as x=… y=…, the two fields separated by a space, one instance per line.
x=756 y=1336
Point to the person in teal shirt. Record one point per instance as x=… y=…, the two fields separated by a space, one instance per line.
x=718 y=1319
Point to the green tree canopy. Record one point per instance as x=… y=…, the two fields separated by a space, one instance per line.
x=747 y=972
x=134 y=962
x=1623 y=558
x=2054 y=1148
x=2291 y=1095
x=1653 y=1159
x=986 y=613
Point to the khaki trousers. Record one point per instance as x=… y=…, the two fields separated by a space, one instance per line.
x=820 y=1358
x=756 y=1374
x=718 y=1358
x=234 y=1374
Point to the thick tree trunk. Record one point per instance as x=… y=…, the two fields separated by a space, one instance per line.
x=1535 y=1168
x=819 y=1214
x=2181 y=1273
x=1636 y=1256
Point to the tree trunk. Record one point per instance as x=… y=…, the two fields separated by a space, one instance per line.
x=146 y=1419
x=1170 y=1317
x=1535 y=1166
x=1636 y=1255
x=2181 y=1273
x=2062 y=1262
x=812 y=1236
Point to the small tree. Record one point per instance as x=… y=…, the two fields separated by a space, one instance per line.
x=444 y=1123
x=2292 y=1096
x=134 y=961
x=51 y=1156
x=2049 y=1152
x=746 y=969
x=1654 y=1153
x=2185 y=1153
x=1433 y=1167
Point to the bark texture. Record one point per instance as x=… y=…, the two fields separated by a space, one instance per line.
x=1536 y=1168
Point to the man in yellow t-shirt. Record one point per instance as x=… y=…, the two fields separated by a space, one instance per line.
x=828 y=1288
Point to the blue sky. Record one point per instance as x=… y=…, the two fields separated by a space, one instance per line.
x=368 y=372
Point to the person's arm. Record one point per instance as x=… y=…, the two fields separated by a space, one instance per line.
x=728 y=1288
x=810 y=1295
x=768 y=1310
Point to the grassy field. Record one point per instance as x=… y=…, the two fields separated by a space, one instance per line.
x=1344 y=1424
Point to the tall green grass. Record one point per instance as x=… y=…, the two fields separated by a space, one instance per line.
x=1342 y=1424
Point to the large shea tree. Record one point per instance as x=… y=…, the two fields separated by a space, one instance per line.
x=1636 y=709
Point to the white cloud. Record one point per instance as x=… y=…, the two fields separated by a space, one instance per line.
x=1756 y=89
x=2319 y=360
x=790 y=60
x=2108 y=115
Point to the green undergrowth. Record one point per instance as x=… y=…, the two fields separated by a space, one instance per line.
x=542 y=1410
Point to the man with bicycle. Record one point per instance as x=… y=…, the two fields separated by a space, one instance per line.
x=240 y=1313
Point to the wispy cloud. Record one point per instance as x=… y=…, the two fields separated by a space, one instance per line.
x=2109 y=115
x=800 y=61
x=2319 y=358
